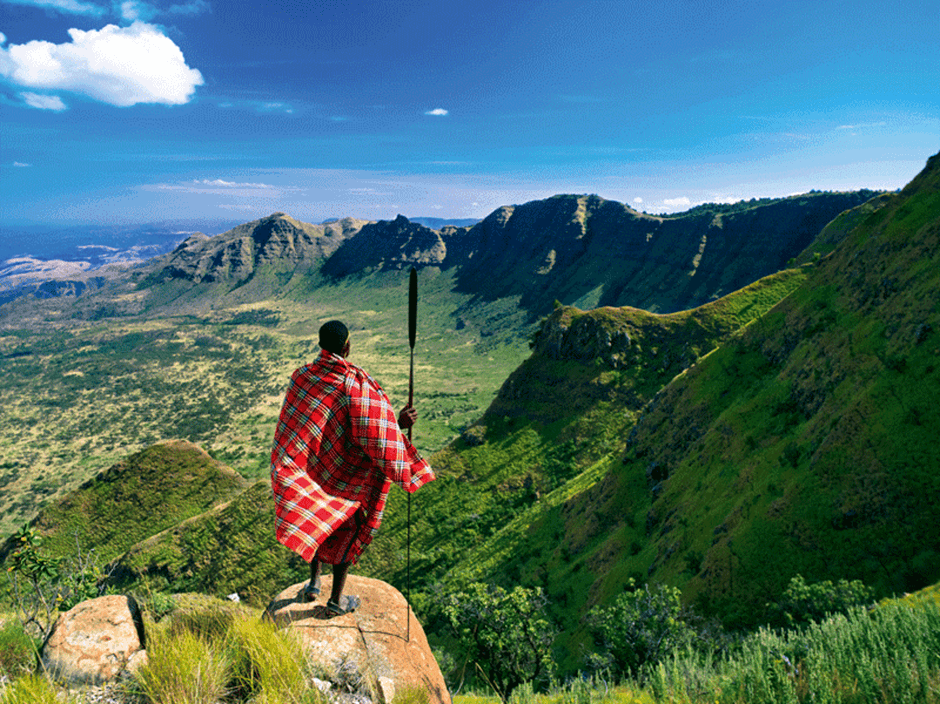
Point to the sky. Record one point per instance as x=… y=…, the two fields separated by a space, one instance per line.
x=129 y=111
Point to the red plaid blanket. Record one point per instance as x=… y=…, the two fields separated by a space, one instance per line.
x=337 y=450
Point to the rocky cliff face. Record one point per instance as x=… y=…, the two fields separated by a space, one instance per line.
x=393 y=245
x=235 y=255
x=581 y=250
x=587 y=251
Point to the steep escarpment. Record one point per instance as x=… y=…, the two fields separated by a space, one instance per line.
x=587 y=251
x=804 y=445
x=580 y=250
x=388 y=244
x=234 y=256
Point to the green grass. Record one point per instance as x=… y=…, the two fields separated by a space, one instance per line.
x=146 y=493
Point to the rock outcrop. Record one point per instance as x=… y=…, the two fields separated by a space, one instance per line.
x=375 y=640
x=93 y=642
x=235 y=255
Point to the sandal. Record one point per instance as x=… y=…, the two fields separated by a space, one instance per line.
x=310 y=592
x=349 y=604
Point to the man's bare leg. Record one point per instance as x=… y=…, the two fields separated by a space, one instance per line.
x=312 y=590
x=339 y=581
x=336 y=604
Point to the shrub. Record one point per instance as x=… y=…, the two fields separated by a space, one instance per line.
x=40 y=585
x=642 y=626
x=504 y=633
x=803 y=603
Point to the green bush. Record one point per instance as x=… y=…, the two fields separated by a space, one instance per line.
x=802 y=603
x=505 y=634
x=641 y=627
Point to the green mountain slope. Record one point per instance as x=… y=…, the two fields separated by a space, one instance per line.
x=805 y=443
x=514 y=462
x=198 y=343
x=148 y=492
x=588 y=252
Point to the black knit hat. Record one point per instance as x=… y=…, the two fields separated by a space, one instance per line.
x=333 y=336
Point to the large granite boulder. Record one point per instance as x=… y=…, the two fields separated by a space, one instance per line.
x=375 y=639
x=92 y=643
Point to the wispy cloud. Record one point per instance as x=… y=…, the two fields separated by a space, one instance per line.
x=43 y=102
x=275 y=107
x=861 y=126
x=437 y=112
x=682 y=202
x=21 y=165
x=138 y=10
x=120 y=66
x=70 y=7
x=218 y=186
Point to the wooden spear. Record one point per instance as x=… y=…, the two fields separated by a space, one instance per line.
x=412 y=333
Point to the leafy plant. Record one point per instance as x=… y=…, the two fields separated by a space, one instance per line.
x=41 y=585
x=504 y=634
x=643 y=626
x=803 y=603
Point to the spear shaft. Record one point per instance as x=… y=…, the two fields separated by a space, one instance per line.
x=412 y=334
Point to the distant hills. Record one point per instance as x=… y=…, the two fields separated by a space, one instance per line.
x=581 y=250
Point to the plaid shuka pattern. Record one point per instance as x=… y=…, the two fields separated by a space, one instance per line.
x=337 y=451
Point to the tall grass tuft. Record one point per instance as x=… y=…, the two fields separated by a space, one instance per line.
x=182 y=668
x=18 y=650
x=269 y=664
x=890 y=656
x=31 y=689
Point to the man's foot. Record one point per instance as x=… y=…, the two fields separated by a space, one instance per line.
x=311 y=591
x=347 y=604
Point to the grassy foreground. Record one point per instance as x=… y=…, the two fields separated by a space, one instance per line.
x=206 y=650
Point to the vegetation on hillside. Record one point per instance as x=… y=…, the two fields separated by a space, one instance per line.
x=80 y=395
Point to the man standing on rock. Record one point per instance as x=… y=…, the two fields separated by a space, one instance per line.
x=338 y=448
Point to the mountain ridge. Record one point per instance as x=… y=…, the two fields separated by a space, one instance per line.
x=583 y=250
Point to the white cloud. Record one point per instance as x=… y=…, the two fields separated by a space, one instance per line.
x=72 y=7
x=677 y=202
x=43 y=102
x=437 y=112
x=21 y=164
x=638 y=201
x=219 y=183
x=120 y=66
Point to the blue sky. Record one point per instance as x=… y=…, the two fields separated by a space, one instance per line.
x=133 y=111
